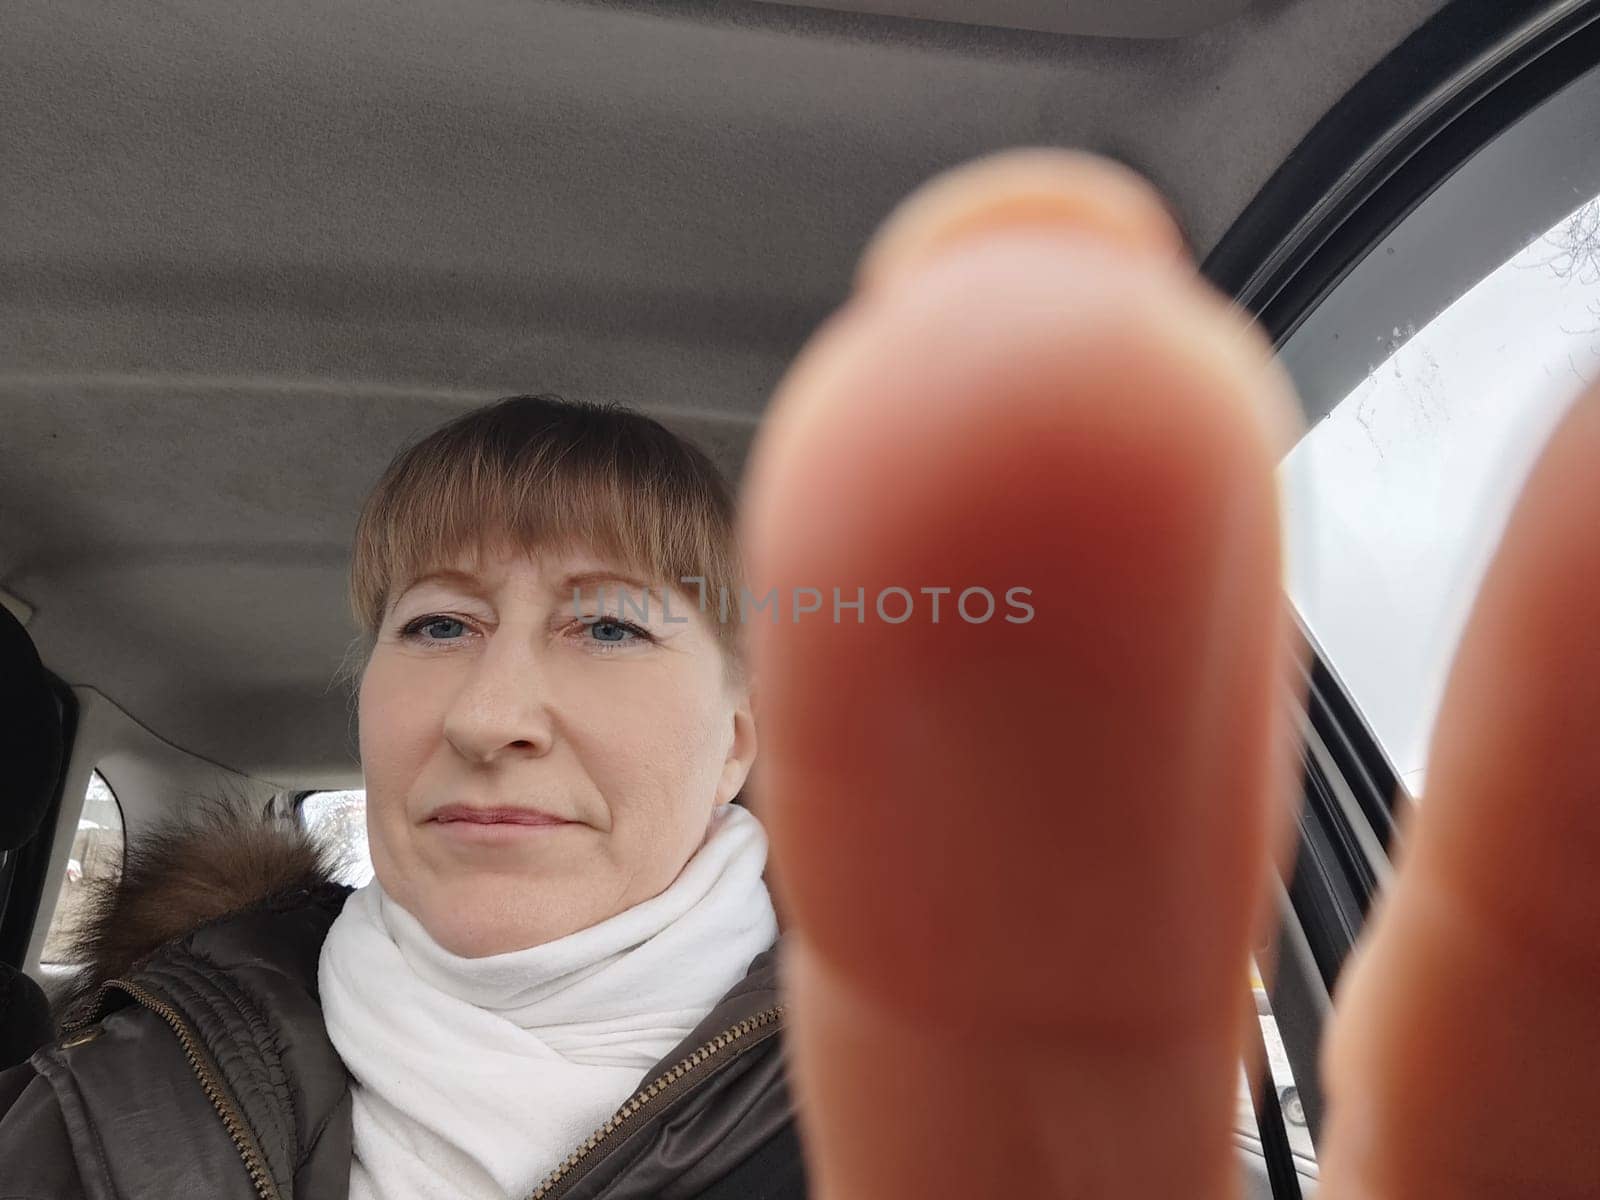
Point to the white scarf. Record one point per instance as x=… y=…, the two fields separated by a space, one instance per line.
x=475 y=1077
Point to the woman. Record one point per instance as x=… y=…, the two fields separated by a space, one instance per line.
x=562 y=978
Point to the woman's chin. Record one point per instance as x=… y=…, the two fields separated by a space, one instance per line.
x=476 y=918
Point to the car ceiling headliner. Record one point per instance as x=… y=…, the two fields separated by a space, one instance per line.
x=252 y=249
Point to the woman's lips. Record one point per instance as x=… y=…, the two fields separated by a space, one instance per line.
x=462 y=814
x=495 y=825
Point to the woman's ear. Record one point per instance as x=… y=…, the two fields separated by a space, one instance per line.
x=750 y=796
x=742 y=749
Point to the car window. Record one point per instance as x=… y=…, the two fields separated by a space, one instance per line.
x=1247 y=1136
x=339 y=821
x=95 y=857
x=1395 y=501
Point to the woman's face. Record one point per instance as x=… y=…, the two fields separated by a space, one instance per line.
x=489 y=700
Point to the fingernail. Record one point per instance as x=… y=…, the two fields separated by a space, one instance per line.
x=1023 y=189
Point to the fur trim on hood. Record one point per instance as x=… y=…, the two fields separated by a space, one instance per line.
x=217 y=858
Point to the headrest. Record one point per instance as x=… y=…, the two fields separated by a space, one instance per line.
x=24 y=1017
x=30 y=736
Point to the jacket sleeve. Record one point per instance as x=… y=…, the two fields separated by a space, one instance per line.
x=36 y=1156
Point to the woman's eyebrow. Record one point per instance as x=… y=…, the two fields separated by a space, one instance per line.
x=580 y=579
x=446 y=577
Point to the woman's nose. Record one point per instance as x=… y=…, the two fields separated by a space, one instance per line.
x=502 y=708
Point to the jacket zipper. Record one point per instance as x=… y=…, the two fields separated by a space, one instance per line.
x=216 y=1091
x=566 y=1176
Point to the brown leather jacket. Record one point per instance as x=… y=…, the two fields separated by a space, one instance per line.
x=200 y=1065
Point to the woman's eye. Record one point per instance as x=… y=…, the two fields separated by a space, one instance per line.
x=610 y=631
x=435 y=629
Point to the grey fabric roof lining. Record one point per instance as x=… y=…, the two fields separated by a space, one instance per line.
x=251 y=249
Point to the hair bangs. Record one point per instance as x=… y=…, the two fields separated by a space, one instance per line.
x=540 y=475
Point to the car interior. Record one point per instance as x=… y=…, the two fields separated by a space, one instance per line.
x=254 y=250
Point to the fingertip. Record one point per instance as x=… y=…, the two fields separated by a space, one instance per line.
x=1043 y=188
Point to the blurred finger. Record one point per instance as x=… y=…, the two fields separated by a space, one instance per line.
x=1466 y=1055
x=1022 y=857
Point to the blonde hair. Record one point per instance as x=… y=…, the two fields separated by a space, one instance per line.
x=539 y=473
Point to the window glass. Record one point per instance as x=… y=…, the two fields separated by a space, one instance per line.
x=95 y=857
x=339 y=820
x=1246 y=1134
x=1395 y=502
